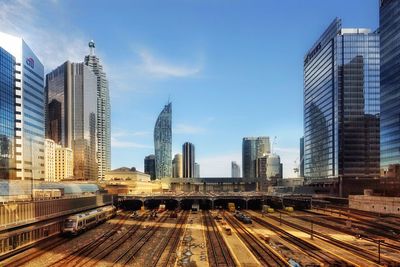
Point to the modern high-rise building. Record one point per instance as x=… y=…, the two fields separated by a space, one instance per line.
x=188 y=160
x=60 y=105
x=196 y=170
x=7 y=119
x=71 y=91
x=235 y=169
x=263 y=146
x=103 y=113
x=85 y=109
x=177 y=166
x=341 y=105
x=163 y=142
x=29 y=107
x=389 y=27
x=64 y=163
x=150 y=166
x=262 y=166
x=252 y=149
x=50 y=160
x=301 y=163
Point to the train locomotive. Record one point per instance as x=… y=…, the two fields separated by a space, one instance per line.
x=80 y=222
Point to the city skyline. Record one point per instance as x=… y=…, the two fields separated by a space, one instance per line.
x=185 y=72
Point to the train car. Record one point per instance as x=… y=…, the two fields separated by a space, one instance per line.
x=289 y=209
x=81 y=222
x=231 y=207
x=195 y=207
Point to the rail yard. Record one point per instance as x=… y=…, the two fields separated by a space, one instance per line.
x=323 y=236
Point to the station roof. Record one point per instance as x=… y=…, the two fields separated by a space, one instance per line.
x=17 y=187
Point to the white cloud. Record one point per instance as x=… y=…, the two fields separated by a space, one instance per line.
x=52 y=45
x=115 y=143
x=159 y=67
x=187 y=129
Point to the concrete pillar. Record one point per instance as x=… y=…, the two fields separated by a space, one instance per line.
x=212 y=204
x=246 y=204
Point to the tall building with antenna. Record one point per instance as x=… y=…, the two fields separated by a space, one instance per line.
x=103 y=113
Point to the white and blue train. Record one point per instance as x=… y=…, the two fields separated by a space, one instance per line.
x=80 y=222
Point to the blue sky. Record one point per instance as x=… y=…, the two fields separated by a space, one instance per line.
x=230 y=68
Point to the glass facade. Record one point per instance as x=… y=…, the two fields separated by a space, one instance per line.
x=253 y=148
x=163 y=143
x=188 y=153
x=84 y=117
x=59 y=105
x=390 y=85
x=7 y=115
x=103 y=113
x=150 y=166
x=341 y=105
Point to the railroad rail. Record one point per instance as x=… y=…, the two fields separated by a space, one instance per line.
x=218 y=252
x=266 y=255
x=128 y=255
x=78 y=255
x=166 y=254
x=310 y=249
x=321 y=220
x=366 y=254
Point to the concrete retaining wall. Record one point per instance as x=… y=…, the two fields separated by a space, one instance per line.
x=389 y=205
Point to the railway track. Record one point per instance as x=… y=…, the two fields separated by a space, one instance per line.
x=263 y=252
x=33 y=253
x=218 y=252
x=322 y=221
x=80 y=255
x=166 y=254
x=310 y=249
x=366 y=254
x=129 y=255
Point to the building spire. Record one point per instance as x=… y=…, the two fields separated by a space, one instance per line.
x=92 y=47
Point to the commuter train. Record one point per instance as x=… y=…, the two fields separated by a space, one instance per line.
x=80 y=222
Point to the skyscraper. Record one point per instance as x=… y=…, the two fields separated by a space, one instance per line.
x=150 y=166
x=85 y=108
x=71 y=91
x=103 y=113
x=196 y=170
x=389 y=20
x=7 y=120
x=235 y=169
x=60 y=106
x=188 y=160
x=252 y=149
x=163 y=142
x=177 y=168
x=29 y=107
x=341 y=105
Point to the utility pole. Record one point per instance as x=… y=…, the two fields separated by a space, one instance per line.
x=312 y=230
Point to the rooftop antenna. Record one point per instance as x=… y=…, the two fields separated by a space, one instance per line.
x=92 y=47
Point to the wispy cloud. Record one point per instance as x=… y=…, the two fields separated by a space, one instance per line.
x=53 y=46
x=115 y=143
x=187 y=129
x=162 y=68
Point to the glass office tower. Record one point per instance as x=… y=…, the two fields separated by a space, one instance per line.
x=29 y=108
x=7 y=115
x=341 y=105
x=188 y=152
x=163 y=143
x=150 y=166
x=389 y=20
